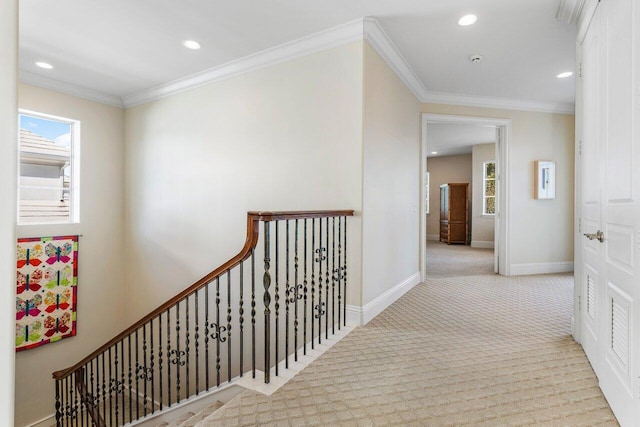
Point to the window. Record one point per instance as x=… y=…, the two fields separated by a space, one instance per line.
x=48 y=155
x=489 y=188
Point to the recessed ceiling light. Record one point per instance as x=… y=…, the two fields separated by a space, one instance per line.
x=191 y=44
x=565 y=75
x=434 y=152
x=44 y=65
x=467 y=20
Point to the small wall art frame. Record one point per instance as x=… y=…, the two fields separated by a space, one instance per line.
x=46 y=290
x=545 y=179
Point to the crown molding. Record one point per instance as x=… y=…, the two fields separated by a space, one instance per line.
x=327 y=39
x=569 y=11
x=384 y=46
x=500 y=103
x=69 y=89
x=367 y=29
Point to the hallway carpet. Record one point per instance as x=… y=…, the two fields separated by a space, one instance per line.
x=464 y=348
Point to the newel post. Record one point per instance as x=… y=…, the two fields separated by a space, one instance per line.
x=266 y=280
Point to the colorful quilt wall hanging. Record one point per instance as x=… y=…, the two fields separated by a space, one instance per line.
x=46 y=290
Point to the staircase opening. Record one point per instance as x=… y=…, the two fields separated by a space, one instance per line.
x=277 y=300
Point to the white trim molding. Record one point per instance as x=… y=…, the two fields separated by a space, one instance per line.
x=541 y=268
x=44 y=422
x=569 y=11
x=362 y=315
x=69 y=89
x=433 y=237
x=498 y=103
x=384 y=46
x=503 y=221
x=482 y=244
x=327 y=39
x=365 y=28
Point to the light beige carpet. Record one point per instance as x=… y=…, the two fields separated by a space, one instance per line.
x=460 y=349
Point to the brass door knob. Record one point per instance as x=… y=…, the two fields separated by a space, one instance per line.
x=598 y=235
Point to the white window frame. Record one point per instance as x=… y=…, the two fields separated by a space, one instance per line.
x=484 y=188
x=74 y=184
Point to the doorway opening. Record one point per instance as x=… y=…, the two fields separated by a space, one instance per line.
x=502 y=131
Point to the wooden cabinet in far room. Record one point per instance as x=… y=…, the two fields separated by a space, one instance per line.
x=454 y=213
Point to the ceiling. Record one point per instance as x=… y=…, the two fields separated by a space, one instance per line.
x=453 y=139
x=123 y=47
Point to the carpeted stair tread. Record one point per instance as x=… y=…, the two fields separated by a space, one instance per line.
x=214 y=419
x=201 y=415
x=181 y=419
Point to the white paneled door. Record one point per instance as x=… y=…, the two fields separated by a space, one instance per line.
x=610 y=204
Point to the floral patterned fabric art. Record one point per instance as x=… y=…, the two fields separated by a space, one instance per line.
x=46 y=290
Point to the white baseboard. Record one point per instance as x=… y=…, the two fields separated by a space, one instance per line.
x=45 y=422
x=433 y=237
x=541 y=268
x=363 y=315
x=482 y=244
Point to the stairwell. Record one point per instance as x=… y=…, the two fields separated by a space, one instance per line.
x=244 y=327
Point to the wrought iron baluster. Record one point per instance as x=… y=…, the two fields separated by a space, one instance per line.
x=187 y=346
x=145 y=371
x=67 y=407
x=178 y=354
x=287 y=297
x=96 y=387
x=319 y=308
x=296 y=293
x=74 y=401
x=216 y=333
x=104 y=389
x=241 y=320
x=58 y=403
x=94 y=397
x=306 y=312
x=197 y=338
x=152 y=370
x=206 y=336
x=130 y=377
x=326 y=282
x=169 y=402
x=333 y=276
x=229 y=325
x=339 y=272
x=253 y=313
x=137 y=340
x=345 y=272
x=84 y=399
x=160 y=389
x=122 y=380
x=313 y=280
x=266 y=280
x=277 y=296
x=110 y=391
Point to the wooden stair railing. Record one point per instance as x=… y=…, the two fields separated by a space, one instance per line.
x=186 y=346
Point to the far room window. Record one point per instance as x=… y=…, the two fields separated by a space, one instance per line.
x=489 y=188
x=48 y=155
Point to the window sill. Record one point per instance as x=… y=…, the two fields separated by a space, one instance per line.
x=488 y=216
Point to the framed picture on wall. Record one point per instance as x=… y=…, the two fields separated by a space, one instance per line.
x=545 y=179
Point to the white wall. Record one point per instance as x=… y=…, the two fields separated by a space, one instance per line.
x=391 y=179
x=534 y=223
x=286 y=137
x=482 y=227
x=8 y=185
x=101 y=300
x=443 y=170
